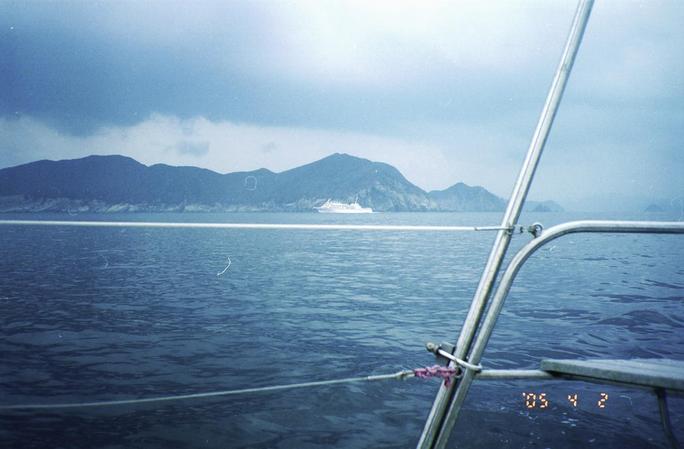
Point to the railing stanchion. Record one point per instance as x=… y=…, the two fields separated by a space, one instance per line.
x=449 y=398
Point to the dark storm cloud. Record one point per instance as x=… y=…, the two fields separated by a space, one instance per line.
x=458 y=84
x=65 y=69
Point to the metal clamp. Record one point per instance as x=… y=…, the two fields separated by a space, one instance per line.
x=535 y=229
x=444 y=352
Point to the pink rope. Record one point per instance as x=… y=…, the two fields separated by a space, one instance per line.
x=442 y=372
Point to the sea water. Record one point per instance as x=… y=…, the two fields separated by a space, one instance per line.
x=92 y=314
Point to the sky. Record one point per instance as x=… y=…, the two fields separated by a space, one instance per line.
x=445 y=91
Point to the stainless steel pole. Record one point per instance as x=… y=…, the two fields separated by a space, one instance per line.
x=635 y=227
x=441 y=418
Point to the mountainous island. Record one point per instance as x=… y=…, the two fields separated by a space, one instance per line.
x=121 y=184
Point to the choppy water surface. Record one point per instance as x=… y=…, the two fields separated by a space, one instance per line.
x=89 y=314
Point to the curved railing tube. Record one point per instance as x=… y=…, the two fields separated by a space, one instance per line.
x=634 y=227
x=629 y=227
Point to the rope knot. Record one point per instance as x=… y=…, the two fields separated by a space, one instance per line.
x=443 y=372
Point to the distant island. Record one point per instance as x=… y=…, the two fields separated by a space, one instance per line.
x=121 y=184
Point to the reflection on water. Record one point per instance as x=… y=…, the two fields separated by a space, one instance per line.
x=88 y=314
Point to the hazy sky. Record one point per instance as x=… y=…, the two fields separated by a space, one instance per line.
x=444 y=91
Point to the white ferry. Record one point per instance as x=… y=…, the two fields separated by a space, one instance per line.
x=336 y=207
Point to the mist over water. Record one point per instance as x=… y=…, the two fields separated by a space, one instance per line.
x=102 y=313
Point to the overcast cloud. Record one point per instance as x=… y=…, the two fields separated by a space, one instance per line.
x=445 y=91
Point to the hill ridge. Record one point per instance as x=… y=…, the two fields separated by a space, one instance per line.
x=117 y=183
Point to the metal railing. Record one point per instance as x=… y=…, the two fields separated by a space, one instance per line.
x=441 y=418
x=462 y=385
x=261 y=226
